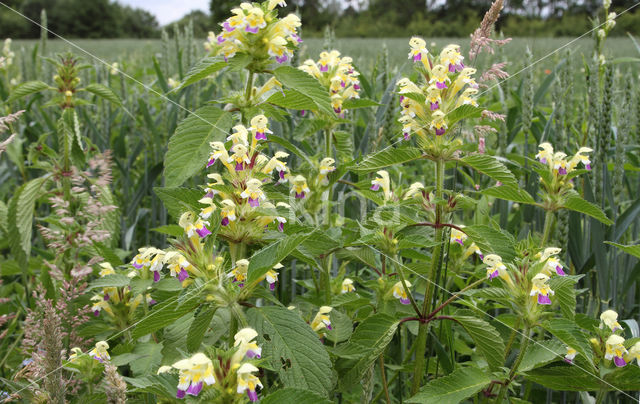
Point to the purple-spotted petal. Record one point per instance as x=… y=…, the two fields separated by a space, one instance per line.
x=441 y=85
x=195 y=388
x=435 y=105
x=180 y=393
x=239 y=166
x=300 y=195
x=543 y=299
x=619 y=361
x=559 y=270
x=261 y=136
x=210 y=162
x=440 y=131
x=224 y=221
x=156 y=276
x=96 y=313
x=204 y=232
x=375 y=187
x=252 y=30
x=405 y=300
x=182 y=275
x=254 y=203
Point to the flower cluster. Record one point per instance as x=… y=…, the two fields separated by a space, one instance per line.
x=459 y=237
x=197 y=371
x=558 y=163
x=6 y=58
x=614 y=346
x=337 y=75
x=321 y=321
x=255 y=29
x=117 y=301
x=448 y=85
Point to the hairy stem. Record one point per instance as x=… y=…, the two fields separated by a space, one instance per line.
x=548 y=225
x=514 y=369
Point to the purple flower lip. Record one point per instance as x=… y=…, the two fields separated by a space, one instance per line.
x=183 y=275
x=210 y=162
x=253 y=396
x=619 y=361
x=329 y=327
x=459 y=241
x=272 y=286
x=303 y=113
x=324 y=68
x=481 y=256
x=96 y=313
x=401 y=98
x=588 y=166
x=204 y=232
x=195 y=389
x=180 y=393
x=281 y=174
x=543 y=299
x=337 y=110
x=239 y=166
x=559 y=270
x=440 y=85
x=417 y=57
x=106 y=297
x=156 y=276
x=261 y=136
x=543 y=160
x=137 y=266
x=300 y=195
x=375 y=187
x=228 y=26
x=253 y=354
x=224 y=221
x=568 y=360
x=435 y=105
x=562 y=171
x=356 y=86
x=494 y=274
x=152 y=302
x=440 y=132
x=405 y=300
x=254 y=203
x=452 y=68
x=252 y=30
x=220 y=39
x=280 y=227
x=282 y=59
x=407 y=136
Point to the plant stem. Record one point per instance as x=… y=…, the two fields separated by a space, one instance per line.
x=600 y=397
x=249 y=89
x=423 y=329
x=512 y=374
x=548 y=225
x=384 y=379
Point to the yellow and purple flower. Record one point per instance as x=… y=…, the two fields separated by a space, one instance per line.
x=299 y=186
x=322 y=320
x=239 y=272
x=400 y=293
x=418 y=49
x=244 y=341
x=347 y=286
x=253 y=192
x=571 y=354
x=615 y=350
x=495 y=267
x=609 y=318
x=99 y=352
x=541 y=289
x=194 y=373
x=247 y=381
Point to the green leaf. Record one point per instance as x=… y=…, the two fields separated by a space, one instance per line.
x=540 y=353
x=28 y=88
x=344 y=145
x=387 y=157
x=292 y=99
x=564 y=378
x=565 y=293
x=293 y=348
x=189 y=146
x=203 y=69
x=369 y=339
x=164 y=385
x=571 y=335
x=452 y=389
x=110 y=281
x=487 y=339
x=104 y=92
x=265 y=259
x=294 y=396
x=574 y=202
x=491 y=167
x=166 y=312
x=149 y=358
x=463 y=112
x=178 y=200
x=359 y=103
x=198 y=328
x=490 y=240
x=290 y=147
x=20 y=215
x=304 y=83
x=169 y=229
x=510 y=194
x=629 y=249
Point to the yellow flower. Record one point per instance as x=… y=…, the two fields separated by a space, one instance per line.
x=321 y=320
x=399 y=292
x=347 y=286
x=610 y=319
x=615 y=350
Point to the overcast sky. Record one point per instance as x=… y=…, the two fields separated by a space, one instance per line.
x=167 y=11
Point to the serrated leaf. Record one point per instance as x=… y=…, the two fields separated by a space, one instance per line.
x=510 y=194
x=178 y=200
x=491 y=167
x=265 y=259
x=463 y=112
x=571 y=335
x=104 y=92
x=304 y=83
x=149 y=358
x=496 y=294
x=487 y=339
x=294 y=396
x=540 y=353
x=166 y=312
x=564 y=378
x=110 y=281
x=370 y=338
x=198 y=328
x=20 y=215
x=189 y=146
x=565 y=293
x=453 y=388
x=292 y=99
x=203 y=69
x=293 y=348
x=629 y=249
x=27 y=88
x=164 y=385
x=387 y=157
x=344 y=145
x=490 y=240
x=574 y=202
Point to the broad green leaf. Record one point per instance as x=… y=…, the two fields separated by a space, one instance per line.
x=164 y=385
x=296 y=79
x=453 y=388
x=510 y=194
x=564 y=378
x=387 y=157
x=198 y=328
x=369 y=339
x=28 y=88
x=265 y=259
x=290 y=147
x=565 y=293
x=203 y=69
x=491 y=167
x=629 y=249
x=149 y=358
x=104 y=92
x=574 y=202
x=189 y=147
x=293 y=348
x=166 y=312
x=487 y=339
x=20 y=215
x=500 y=295
x=463 y=112
x=178 y=200
x=292 y=99
x=110 y=281
x=490 y=240
x=344 y=145
x=294 y=396
x=571 y=335
x=540 y=353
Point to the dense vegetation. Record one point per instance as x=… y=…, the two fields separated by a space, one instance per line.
x=264 y=219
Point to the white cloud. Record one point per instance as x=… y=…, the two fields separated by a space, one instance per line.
x=167 y=11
